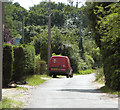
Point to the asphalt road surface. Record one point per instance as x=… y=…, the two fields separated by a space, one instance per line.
x=77 y=92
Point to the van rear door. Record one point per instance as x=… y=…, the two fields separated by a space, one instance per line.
x=58 y=63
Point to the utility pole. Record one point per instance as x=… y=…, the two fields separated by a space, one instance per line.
x=81 y=39
x=1 y=46
x=23 y=27
x=49 y=37
x=77 y=4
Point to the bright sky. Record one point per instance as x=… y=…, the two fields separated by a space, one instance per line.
x=28 y=3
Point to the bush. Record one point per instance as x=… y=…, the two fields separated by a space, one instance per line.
x=89 y=60
x=43 y=67
x=112 y=71
x=19 y=63
x=7 y=64
x=29 y=59
x=23 y=64
x=88 y=71
x=37 y=61
x=105 y=25
x=115 y=83
x=100 y=75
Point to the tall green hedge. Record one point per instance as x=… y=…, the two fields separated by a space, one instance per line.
x=7 y=64
x=24 y=63
x=105 y=23
x=112 y=70
x=19 y=63
x=41 y=66
x=29 y=59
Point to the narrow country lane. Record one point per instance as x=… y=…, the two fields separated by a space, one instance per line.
x=77 y=92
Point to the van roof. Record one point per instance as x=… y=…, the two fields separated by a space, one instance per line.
x=59 y=57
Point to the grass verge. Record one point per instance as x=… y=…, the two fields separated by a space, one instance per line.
x=10 y=103
x=21 y=88
x=35 y=80
x=45 y=76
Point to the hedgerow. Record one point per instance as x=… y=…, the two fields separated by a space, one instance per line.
x=7 y=64
x=105 y=24
x=29 y=52
x=19 y=63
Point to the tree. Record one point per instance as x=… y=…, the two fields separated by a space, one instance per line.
x=106 y=30
x=38 y=14
x=13 y=18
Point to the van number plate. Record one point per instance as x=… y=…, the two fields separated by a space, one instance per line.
x=54 y=69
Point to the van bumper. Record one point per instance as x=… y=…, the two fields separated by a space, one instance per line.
x=58 y=73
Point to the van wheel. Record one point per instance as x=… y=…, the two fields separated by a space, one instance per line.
x=50 y=75
x=54 y=76
x=67 y=76
x=71 y=76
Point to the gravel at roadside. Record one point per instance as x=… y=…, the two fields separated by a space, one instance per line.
x=19 y=94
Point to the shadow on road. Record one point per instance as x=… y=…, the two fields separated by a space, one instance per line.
x=82 y=90
x=57 y=77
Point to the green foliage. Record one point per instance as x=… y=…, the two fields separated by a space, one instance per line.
x=58 y=18
x=7 y=64
x=53 y=54
x=32 y=32
x=91 y=50
x=13 y=17
x=110 y=45
x=89 y=60
x=37 y=61
x=39 y=39
x=106 y=89
x=106 y=29
x=82 y=64
x=75 y=62
x=29 y=59
x=44 y=52
x=96 y=55
x=88 y=71
x=38 y=14
x=43 y=67
x=99 y=74
x=19 y=63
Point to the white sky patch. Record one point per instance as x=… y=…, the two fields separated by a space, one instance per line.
x=29 y=3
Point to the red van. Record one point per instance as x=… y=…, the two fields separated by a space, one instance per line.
x=60 y=65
